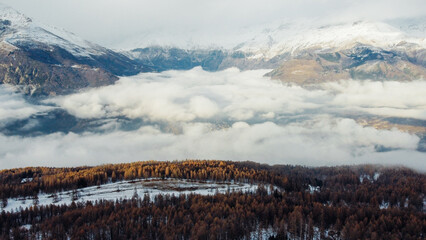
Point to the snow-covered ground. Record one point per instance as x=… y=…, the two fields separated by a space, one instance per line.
x=262 y=234
x=364 y=177
x=313 y=189
x=376 y=176
x=384 y=205
x=126 y=190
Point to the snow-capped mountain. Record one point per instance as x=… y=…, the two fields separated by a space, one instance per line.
x=48 y=60
x=309 y=52
x=286 y=35
x=295 y=37
x=360 y=50
x=19 y=29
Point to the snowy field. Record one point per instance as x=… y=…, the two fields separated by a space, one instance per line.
x=126 y=190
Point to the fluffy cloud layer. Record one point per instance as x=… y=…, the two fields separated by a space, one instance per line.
x=230 y=115
x=13 y=106
x=190 y=95
x=322 y=142
x=233 y=95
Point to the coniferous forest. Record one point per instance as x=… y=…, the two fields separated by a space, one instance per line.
x=348 y=202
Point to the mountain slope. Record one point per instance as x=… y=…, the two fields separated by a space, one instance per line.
x=360 y=62
x=48 y=61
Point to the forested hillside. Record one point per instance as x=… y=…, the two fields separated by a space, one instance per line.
x=356 y=202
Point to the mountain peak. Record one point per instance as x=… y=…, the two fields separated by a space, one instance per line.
x=51 y=60
x=9 y=16
x=19 y=30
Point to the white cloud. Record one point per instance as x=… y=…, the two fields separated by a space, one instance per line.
x=186 y=95
x=229 y=115
x=326 y=141
x=235 y=95
x=389 y=98
x=379 y=93
x=13 y=106
x=203 y=107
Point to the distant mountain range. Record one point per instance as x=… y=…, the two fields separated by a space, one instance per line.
x=307 y=54
x=44 y=60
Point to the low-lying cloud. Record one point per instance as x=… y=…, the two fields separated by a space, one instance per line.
x=240 y=96
x=228 y=115
x=13 y=106
x=189 y=95
x=323 y=142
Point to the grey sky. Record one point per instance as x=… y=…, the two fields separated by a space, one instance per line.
x=108 y=22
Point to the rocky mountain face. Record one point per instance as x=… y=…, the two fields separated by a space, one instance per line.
x=49 y=61
x=361 y=62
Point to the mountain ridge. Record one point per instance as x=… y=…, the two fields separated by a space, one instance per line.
x=48 y=61
x=370 y=50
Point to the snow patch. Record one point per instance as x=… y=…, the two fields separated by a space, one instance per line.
x=127 y=189
x=26 y=226
x=384 y=205
x=262 y=234
x=26 y=180
x=313 y=189
x=376 y=176
x=363 y=177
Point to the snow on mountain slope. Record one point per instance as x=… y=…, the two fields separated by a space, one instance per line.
x=17 y=29
x=266 y=41
x=294 y=37
x=45 y=60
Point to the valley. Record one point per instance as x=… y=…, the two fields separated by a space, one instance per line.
x=212 y=120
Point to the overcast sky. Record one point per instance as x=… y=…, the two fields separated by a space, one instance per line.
x=108 y=22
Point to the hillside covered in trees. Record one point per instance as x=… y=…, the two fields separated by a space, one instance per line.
x=290 y=202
